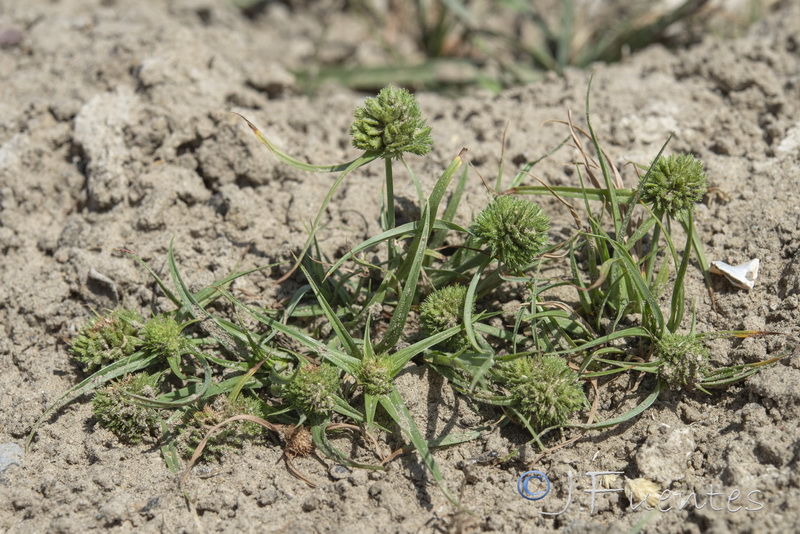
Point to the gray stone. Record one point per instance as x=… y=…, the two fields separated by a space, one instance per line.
x=10 y=454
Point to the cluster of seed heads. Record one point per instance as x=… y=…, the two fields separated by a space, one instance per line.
x=313 y=389
x=443 y=309
x=390 y=125
x=675 y=184
x=374 y=374
x=514 y=229
x=683 y=359
x=108 y=338
x=117 y=411
x=544 y=388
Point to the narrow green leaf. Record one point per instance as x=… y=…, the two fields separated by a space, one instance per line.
x=290 y=160
x=324 y=206
x=197 y=394
x=397 y=410
x=400 y=358
x=439 y=235
x=395 y=233
x=468 y=302
x=409 y=273
x=347 y=363
x=370 y=405
x=677 y=303
x=636 y=331
x=337 y=325
x=136 y=362
x=523 y=172
x=171 y=296
x=643 y=291
x=612 y=191
x=641 y=407
x=589 y=193
x=206 y=321
x=441 y=186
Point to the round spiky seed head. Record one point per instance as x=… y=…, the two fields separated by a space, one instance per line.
x=675 y=184
x=313 y=389
x=107 y=338
x=374 y=374
x=443 y=309
x=515 y=229
x=683 y=358
x=118 y=412
x=162 y=335
x=299 y=441
x=390 y=125
x=544 y=389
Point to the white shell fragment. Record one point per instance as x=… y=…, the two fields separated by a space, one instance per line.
x=743 y=276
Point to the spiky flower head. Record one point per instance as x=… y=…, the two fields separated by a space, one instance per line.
x=515 y=229
x=391 y=124
x=374 y=374
x=162 y=335
x=118 y=412
x=107 y=338
x=684 y=359
x=313 y=389
x=675 y=184
x=443 y=309
x=544 y=389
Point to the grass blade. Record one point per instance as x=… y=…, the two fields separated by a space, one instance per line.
x=136 y=362
x=327 y=200
x=336 y=323
x=397 y=410
x=285 y=158
x=409 y=273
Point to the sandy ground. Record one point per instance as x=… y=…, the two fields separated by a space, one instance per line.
x=115 y=132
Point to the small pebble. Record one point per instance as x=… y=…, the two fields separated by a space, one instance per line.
x=10 y=454
x=11 y=37
x=338 y=472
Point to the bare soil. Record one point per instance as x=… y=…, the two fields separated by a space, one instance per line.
x=115 y=132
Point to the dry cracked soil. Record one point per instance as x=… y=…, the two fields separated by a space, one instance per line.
x=116 y=132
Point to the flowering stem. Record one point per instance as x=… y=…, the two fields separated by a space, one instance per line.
x=411 y=270
x=389 y=208
x=676 y=311
x=289 y=160
x=388 y=219
x=651 y=262
x=469 y=302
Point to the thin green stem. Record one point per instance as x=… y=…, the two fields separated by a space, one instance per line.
x=677 y=304
x=651 y=262
x=389 y=208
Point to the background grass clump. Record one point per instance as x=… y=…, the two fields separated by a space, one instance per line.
x=464 y=45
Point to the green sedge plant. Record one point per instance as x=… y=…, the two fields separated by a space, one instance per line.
x=201 y=379
x=628 y=268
